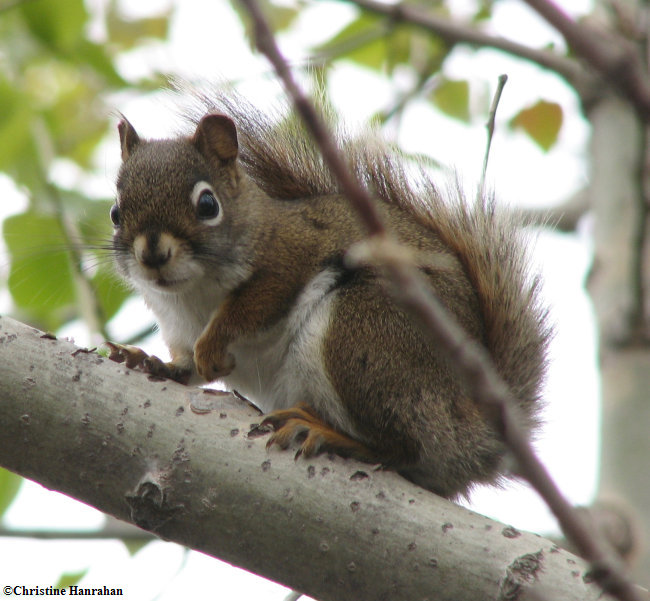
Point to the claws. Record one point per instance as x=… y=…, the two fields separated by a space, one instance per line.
x=303 y=426
x=134 y=357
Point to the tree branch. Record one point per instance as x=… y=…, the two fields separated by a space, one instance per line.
x=469 y=358
x=614 y=57
x=333 y=157
x=454 y=33
x=150 y=453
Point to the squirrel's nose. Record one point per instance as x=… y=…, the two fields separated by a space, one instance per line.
x=154 y=250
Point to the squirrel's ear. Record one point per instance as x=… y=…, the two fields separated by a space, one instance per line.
x=129 y=138
x=216 y=138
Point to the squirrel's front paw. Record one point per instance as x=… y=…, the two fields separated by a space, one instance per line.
x=135 y=357
x=212 y=362
x=131 y=356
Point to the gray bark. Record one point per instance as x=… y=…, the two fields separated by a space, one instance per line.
x=149 y=453
x=617 y=287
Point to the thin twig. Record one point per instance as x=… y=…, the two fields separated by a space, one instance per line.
x=424 y=84
x=613 y=56
x=469 y=358
x=486 y=386
x=358 y=196
x=490 y=131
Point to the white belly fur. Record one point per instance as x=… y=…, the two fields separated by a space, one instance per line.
x=284 y=366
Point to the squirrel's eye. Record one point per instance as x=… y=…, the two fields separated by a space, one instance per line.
x=115 y=215
x=207 y=206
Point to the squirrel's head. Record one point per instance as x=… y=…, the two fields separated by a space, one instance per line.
x=173 y=216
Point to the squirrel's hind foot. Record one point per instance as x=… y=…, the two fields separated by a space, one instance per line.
x=302 y=425
x=134 y=357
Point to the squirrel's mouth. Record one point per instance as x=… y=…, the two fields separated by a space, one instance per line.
x=166 y=279
x=168 y=284
x=160 y=282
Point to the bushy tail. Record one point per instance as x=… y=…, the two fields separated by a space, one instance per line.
x=494 y=248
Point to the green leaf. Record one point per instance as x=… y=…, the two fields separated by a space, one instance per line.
x=70 y=578
x=361 y=41
x=111 y=291
x=484 y=11
x=542 y=122
x=58 y=25
x=452 y=98
x=9 y=486
x=133 y=546
x=40 y=278
x=15 y=118
x=93 y=224
x=377 y=43
x=93 y=218
x=97 y=57
x=76 y=123
x=128 y=33
x=278 y=17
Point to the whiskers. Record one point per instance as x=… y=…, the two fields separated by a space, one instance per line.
x=53 y=280
x=84 y=256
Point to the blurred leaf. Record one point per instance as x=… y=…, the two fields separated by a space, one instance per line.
x=484 y=11
x=14 y=126
x=76 y=125
x=128 y=33
x=94 y=226
x=111 y=291
x=542 y=122
x=133 y=546
x=97 y=57
x=452 y=98
x=70 y=578
x=67 y=101
x=40 y=278
x=374 y=42
x=278 y=17
x=427 y=52
x=53 y=80
x=9 y=486
x=58 y=25
x=361 y=41
x=93 y=218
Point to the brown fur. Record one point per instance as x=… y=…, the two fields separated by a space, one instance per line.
x=284 y=223
x=283 y=160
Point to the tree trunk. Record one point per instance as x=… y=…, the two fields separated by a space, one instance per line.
x=618 y=151
x=179 y=461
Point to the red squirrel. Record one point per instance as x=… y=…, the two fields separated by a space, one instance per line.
x=236 y=238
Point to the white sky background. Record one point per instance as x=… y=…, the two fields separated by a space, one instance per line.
x=212 y=46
